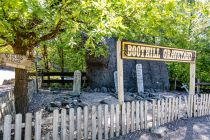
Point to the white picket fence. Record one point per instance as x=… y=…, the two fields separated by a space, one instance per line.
x=103 y=121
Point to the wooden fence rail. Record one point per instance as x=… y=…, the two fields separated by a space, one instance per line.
x=103 y=121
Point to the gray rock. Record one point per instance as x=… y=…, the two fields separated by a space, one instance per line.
x=104 y=89
x=100 y=71
x=55 y=104
x=160 y=131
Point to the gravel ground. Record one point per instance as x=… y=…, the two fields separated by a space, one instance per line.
x=189 y=129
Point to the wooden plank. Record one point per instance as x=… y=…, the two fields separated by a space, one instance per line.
x=141 y=115
x=99 y=123
x=166 y=110
x=186 y=105
x=137 y=116
x=85 y=122
x=162 y=112
x=192 y=78
x=120 y=74
x=153 y=113
x=112 y=114
x=194 y=106
x=78 y=123
x=18 y=126
x=158 y=113
x=208 y=104
x=179 y=107
x=7 y=127
x=202 y=99
x=71 y=124
x=63 y=124
x=172 y=109
x=55 y=124
x=145 y=114
x=106 y=129
x=123 y=119
x=28 y=128
x=127 y=117
x=176 y=108
x=93 y=120
x=132 y=116
x=38 y=119
x=191 y=105
x=15 y=61
x=169 y=111
x=117 y=120
x=199 y=106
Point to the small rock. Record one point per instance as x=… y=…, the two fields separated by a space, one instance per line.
x=55 y=104
x=160 y=131
x=104 y=89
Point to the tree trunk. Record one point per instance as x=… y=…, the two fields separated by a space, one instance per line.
x=21 y=85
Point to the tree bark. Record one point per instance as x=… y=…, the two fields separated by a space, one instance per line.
x=21 y=85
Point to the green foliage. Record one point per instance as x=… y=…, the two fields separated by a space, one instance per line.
x=64 y=25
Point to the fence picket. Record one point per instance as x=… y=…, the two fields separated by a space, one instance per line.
x=153 y=113
x=7 y=127
x=78 y=123
x=123 y=119
x=28 y=128
x=158 y=113
x=145 y=114
x=132 y=116
x=38 y=118
x=55 y=124
x=71 y=124
x=99 y=122
x=85 y=122
x=141 y=115
x=106 y=129
x=127 y=117
x=194 y=105
x=137 y=116
x=18 y=127
x=117 y=120
x=208 y=104
x=112 y=114
x=63 y=124
x=162 y=112
x=201 y=105
x=93 y=116
x=166 y=110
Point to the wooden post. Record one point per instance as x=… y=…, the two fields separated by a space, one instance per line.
x=192 y=78
x=120 y=74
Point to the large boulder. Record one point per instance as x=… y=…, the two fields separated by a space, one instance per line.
x=100 y=71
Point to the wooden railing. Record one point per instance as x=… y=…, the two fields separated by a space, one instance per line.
x=103 y=121
x=65 y=77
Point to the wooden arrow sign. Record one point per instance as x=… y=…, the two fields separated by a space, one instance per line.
x=15 y=61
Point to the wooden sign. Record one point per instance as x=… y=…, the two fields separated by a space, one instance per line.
x=132 y=50
x=15 y=60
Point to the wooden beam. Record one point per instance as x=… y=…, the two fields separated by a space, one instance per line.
x=192 y=78
x=120 y=74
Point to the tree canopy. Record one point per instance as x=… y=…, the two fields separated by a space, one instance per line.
x=64 y=24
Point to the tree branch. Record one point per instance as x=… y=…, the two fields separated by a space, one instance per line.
x=52 y=34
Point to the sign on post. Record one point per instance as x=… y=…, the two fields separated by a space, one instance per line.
x=135 y=51
x=15 y=60
x=132 y=50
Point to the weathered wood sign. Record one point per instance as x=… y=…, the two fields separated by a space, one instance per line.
x=15 y=60
x=132 y=50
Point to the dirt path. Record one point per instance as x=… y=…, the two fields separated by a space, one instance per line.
x=190 y=129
